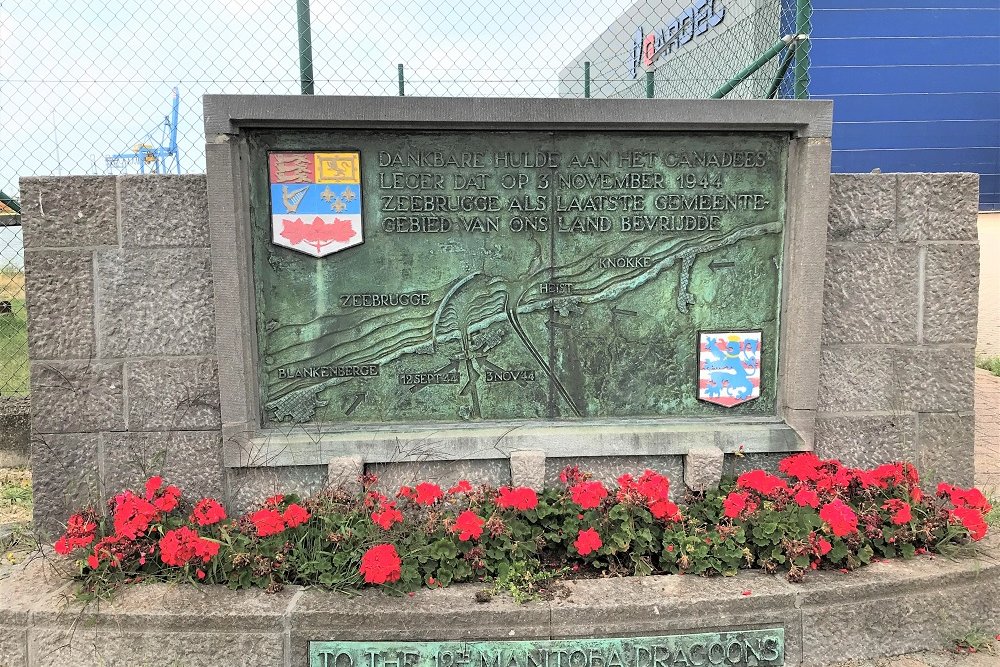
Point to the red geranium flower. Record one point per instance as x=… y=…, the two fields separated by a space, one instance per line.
x=734 y=504
x=381 y=564
x=274 y=500
x=973 y=521
x=840 y=517
x=762 y=482
x=181 y=545
x=168 y=499
x=428 y=493
x=153 y=485
x=132 y=515
x=806 y=498
x=387 y=515
x=79 y=533
x=900 y=511
x=463 y=486
x=824 y=546
x=588 y=495
x=521 y=498
x=587 y=541
x=468 y=525
x=207 y=512
x=804 y=467
x=295 y=515
x=664 y=509
x=267 y=522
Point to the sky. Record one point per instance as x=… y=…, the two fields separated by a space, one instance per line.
x=83 y=79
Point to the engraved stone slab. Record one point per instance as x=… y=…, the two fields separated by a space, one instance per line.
x=762 y=648
x=513 y=275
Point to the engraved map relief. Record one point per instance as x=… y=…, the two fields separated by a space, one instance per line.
x=522 y=275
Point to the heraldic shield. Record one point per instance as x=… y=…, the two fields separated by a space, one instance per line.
x=316 y=201
x=729 y=367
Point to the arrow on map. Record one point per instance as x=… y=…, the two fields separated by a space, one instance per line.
x=358 y=400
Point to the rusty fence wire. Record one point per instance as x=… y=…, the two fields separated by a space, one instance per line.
x=115 y=86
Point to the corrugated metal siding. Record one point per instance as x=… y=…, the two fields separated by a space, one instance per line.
x=915 y=84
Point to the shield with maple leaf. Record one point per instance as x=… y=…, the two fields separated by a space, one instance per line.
x=316 y=201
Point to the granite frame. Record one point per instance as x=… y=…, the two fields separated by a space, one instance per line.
x=245 y=443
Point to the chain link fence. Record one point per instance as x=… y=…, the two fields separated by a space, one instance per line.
x=114 y=86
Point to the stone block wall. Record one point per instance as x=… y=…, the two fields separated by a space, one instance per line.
x=899 y=322
x=124 y=368
x=121 y=337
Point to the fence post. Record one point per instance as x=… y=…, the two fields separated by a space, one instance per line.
x=650 y=84
x=803 y=26
x=305 y=47
x=586 y=78
x=402 y=81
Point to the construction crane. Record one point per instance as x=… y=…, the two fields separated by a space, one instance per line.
x=149 y=154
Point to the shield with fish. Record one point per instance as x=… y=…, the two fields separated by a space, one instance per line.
x=729 y=367
x=315 y=201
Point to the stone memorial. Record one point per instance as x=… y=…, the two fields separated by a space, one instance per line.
x=443 y=289
x=553 y=282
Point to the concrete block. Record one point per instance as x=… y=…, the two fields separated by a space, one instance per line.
x=69 y=211
x=173 y=394
x=856 y=378
x=345 y=472
x=248 y=487
x=862 y=207
x=868 y=441
x=13 y=647
x=190 y=459
x=60 y=302
x=947 y=448
x=895 y=607
x=937 y=207
x=951 y=293
x=703 y=468
x=870 y=294
x=155 y=302
x=527 y=468
x=933 y=379
x=391 y=476
x=164 y=211
x=84 y=646
x=76 y=396
x=608 y=469
x=65 y=478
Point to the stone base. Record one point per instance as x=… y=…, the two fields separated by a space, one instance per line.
x=15 y=424
x=888 y=608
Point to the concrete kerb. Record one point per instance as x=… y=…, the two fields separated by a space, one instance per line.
x=887 y=608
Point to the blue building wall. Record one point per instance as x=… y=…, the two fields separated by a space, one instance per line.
x=915 y=84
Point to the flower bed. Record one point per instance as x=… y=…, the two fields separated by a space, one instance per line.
x=819 y=514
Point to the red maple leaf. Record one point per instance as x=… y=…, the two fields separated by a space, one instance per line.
x=317 y=233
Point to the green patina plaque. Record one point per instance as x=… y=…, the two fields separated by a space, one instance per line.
x=417 y=276
x=746 y=648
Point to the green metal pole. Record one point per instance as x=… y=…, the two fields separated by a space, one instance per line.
x=803 y=26
x=650 y=84
x=586 y=78
x=782 y=71
x=402 y=81
x=305 y=47
x=753 y=67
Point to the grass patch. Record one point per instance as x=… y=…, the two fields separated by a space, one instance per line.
x=991 y=364
x=16 y=500
x=13 y=336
